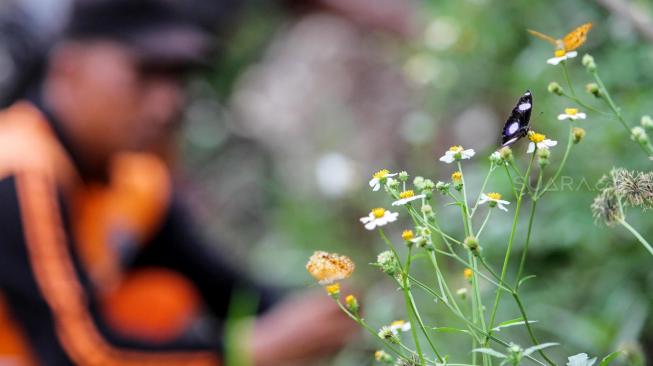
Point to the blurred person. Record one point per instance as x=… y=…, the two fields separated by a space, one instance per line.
x=99 y=263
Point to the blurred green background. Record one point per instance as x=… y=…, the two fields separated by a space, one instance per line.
x=287 y=128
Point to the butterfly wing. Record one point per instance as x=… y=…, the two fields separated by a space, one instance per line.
x=544 y=37
x=577 y=37
x=516 y=126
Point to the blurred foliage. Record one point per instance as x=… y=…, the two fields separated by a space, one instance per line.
x=464 y=70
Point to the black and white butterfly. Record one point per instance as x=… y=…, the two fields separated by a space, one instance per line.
x=516 y=126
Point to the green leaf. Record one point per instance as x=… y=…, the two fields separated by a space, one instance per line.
x=449 y=330
x=525 y=279
x=512 y=323
x=528 y=351
x=609 y=358
x=489 y=351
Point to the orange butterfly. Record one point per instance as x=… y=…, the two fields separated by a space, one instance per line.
x=570 y=42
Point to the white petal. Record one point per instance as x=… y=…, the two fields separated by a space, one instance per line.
x=376 y=187
x=562 y=116
x=390 y=216
x=571 y=54
x=555 y=60
x=550 y=143
x=531 y=148
x=405 y=327
x=503 y=202
x=582 y=115
x=374 y=182
x=484 y=198
x=391 y=174
x=501 y=207
x=447 y=158
x=370 y=225
x=466 y=154
x=366 y=219
x=400 y=202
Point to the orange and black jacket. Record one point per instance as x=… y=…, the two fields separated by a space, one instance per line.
x=100 y=274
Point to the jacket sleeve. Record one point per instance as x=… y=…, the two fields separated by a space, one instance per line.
x=48 y=292
x=178 y=246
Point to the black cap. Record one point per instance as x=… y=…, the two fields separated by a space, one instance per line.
x=154 y=29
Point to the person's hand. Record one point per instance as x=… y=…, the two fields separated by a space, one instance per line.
x=300 y=328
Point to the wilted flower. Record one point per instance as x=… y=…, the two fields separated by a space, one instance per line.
x=561 y=55
x=388 y=262
x=571 y=113
x=328 y=268
x=406 y=197
x=494 y=200
x=635 y=187
x=540 y=140
x=386 y=333
x=383 y=176
x=378 y=217
x=456 y=153
x=606 y=207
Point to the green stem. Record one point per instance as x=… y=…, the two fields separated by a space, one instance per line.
x=570 y=143
x=515 y=295
x=528 y=240
x=637 y=235
x=506 y=259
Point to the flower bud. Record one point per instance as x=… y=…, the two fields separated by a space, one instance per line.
x=418 y=182
x=639 y=134
x=588 y=62
x=428 y=185
x=496 y=158
x=394 y=184
x=427 y=209
x=506 y=153
x=593 y=89
x=333 y=290
x=407 y=235
x=442 y=187
x=403 y=176
x=352 y=304
x=462 y=293
x=555 y=88
x=468 y=274
x=647 y=122
x=543 y=154
x=383 y=356
x=577 y=134
x=472 y=244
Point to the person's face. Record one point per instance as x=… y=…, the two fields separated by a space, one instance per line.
x=124 y=103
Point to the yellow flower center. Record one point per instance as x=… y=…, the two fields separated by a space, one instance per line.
x=333 y=289
x=571 y=111
x=468 y=273
x=536 y=137
x=407 y=235
x=407 y=194
x=378 y=212
x=456 y=149
x=398 y=323
x=457 y=176
x=378 y=355
x=559 y=53
x=381 y=174
x=494 y=195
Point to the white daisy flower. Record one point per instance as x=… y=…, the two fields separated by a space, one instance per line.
x=572 y=113
x=378 y=217
x=494 y=199
x=381 y=177
x=407 y=196
x=540 y=140
x=561 y=55
x=456 y=153
x=399 y=325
